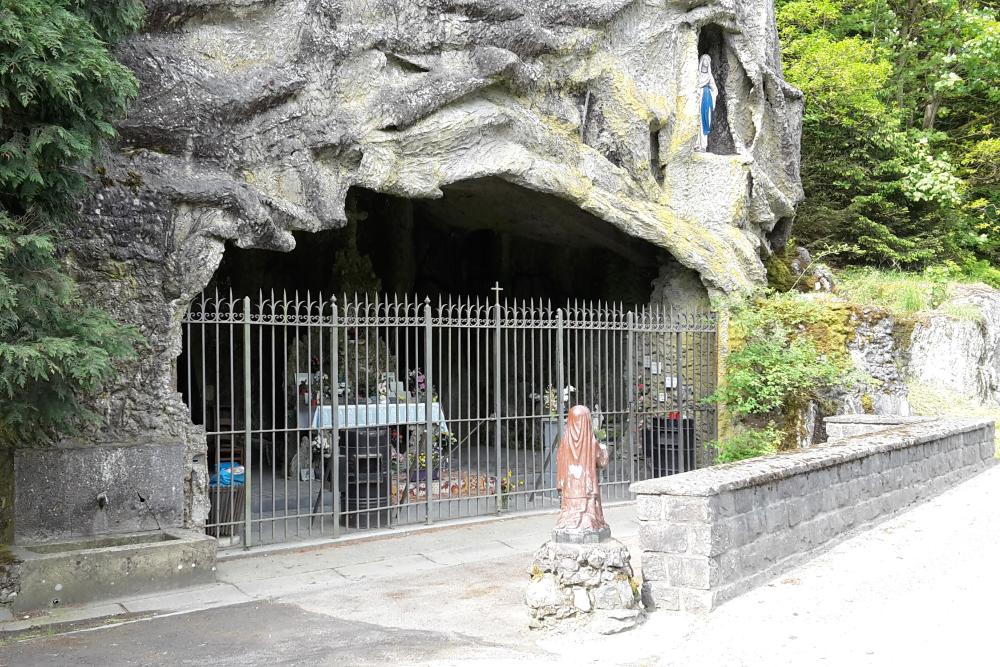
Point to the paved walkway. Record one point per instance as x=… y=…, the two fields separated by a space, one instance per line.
x=920 y=589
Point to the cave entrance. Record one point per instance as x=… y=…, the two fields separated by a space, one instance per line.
x=480 y=233
x=712 y=40
x=378 y=409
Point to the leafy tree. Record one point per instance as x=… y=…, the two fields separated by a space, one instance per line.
x=60 y=88
x=899 y=145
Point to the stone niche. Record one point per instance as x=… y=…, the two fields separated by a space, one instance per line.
x=256 y=119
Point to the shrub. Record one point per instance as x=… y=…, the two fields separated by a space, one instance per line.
x=748 y=444
x=785 y=349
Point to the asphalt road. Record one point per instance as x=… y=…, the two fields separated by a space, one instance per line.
x=919 y=589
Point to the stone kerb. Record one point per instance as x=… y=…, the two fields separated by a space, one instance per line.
x=711 y=534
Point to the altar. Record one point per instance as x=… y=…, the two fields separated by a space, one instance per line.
x=373 y=415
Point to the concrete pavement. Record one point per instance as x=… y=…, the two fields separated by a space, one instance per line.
x=919 y=589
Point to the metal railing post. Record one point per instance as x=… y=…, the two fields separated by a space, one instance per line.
x=428 y=403
x=335 y=416
x=632 y=419
x=560 y=379
x=680 y=453
x=497 y=406
x=247 y=426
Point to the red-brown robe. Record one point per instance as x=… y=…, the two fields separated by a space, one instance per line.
x=579 y=457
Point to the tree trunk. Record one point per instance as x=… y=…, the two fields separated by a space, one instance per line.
x=931 y=110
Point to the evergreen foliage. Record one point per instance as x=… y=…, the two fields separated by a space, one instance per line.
x=60 y=88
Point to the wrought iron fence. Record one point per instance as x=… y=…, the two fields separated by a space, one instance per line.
x=326 y=415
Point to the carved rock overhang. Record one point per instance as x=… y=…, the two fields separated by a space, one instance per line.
x=257 y=117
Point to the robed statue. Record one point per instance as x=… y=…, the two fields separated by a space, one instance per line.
x=708 y=94
x=581 y=518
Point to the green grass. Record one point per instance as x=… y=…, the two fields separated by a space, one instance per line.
x=906 y=293
x=897 y=291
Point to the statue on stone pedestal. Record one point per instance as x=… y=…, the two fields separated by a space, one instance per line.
x=582 y=577
x=581 y=518
x=708 y=94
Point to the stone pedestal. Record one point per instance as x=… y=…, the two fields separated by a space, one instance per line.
x=587 y=586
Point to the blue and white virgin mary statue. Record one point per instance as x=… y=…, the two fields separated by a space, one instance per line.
x=708 y=93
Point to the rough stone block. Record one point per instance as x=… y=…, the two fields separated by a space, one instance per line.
x=865 y=511
x=751 y=559
x=829 y=499
x=969 y=455
x=855 y=489
x=744 y=500
x=849 y=515
x=663 y=537
x=836 y=520
x=792 y=487
x=986 y=450
x=700 y=573
x=729 y=567
x=654 y=566
x=726 y=503
x=755 y=524
x=649 y=508
x=659 y=595
x=736 y=532
x=776 y=517
x=954 y=458
x=698 y=602
x=842 y=493
x=814 y=504
x=763 y=496
x=708 y=539
x=615 y=594
x=795 y=507
x=687 y=510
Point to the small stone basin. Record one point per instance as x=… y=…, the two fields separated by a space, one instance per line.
x=57 y=574
x=101 y=542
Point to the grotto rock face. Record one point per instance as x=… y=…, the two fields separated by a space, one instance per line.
x=960 y=352
x=256 y=116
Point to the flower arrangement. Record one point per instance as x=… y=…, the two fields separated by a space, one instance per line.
x=414 y=459
x=550 y=398
x=416 y=384
x=507 y=486
x=322 y=443
x=416 y=381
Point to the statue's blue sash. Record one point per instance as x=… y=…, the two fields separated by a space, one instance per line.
x=706 y=109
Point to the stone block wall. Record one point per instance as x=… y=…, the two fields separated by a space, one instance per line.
x=712 y=534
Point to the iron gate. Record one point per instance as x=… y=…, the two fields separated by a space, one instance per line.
x=325 y=415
